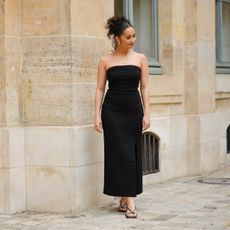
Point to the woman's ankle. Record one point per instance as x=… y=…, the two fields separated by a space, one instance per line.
x=131 y=203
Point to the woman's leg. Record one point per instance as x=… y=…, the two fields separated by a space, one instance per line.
x=131 y=208
x=123 y=200
x=131 y=203
x=123 y=204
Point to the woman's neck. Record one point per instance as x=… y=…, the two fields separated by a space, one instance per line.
x=122 y=52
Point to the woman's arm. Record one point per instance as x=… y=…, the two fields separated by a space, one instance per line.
x=100 y=89
x=144 y=87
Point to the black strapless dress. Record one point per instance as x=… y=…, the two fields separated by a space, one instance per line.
x=121 y=115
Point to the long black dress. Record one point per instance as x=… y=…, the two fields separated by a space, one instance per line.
x=121 y=116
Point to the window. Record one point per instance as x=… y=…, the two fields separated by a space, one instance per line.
x=143 y=14
x=150 y=153
x=228 y=139
x=223 y=36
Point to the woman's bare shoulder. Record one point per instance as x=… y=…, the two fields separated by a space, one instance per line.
x=105 y=59
x=102 y=62
x=140 y=55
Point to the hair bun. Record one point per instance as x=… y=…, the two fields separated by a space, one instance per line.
x=116 y=25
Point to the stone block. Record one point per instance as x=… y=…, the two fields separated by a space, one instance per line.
x=193 y=129
x=190 y=79
x=194 y=159
x=2 y=19
x=209 y=128
x=83 y=103
x=206 y=17
x=84 y=187
x=169 y=160
x=165 y=55
x=94 y=12
x=49 y=188
x=160 y=127
x=45 y=17
x=222 y=105
x=12 y=147
x=165 y=16
x=3 y=178
x=223 y=83
x=190 y=13
x=2 y=83
x=4 y=143
x=13 y=59
x=165 y=86
x=206 y=60
x=13 y=190
x=178 y=59
x=210 y=153
x=87 y=146
x=13 y=17
x=86 y=54
x=47 y=104
x=47 y=59
x=178 y=131
x=166 y=109
x=206 y=73
x=178 y=6
x=48 y=146
x=223 y=150
x=16 y=151
x=13 y=78
x=223 y=123
x=167 y=128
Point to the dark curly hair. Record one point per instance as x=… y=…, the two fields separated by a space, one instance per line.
x=116 y=25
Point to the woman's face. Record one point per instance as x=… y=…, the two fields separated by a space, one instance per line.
x=127 y=38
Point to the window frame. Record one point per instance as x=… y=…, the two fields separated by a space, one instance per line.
x=154 y=66
x=221 y=67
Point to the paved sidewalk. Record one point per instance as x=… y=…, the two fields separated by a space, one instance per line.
x=182 y=203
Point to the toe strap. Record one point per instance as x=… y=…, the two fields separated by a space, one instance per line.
x=130 y=211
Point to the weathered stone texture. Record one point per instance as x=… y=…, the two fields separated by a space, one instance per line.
x=13 y=17
x=2 y=19
x=45 y=17
x=13 y=81
x=2 y=82
x=47 y=104
x=86 y=52
x=47 y=59
x=88 y=17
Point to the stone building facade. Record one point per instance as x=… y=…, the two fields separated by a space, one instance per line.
x=51 y=158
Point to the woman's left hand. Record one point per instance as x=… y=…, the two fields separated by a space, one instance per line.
x=146 y=122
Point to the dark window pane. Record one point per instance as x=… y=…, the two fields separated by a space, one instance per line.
x=143 y=23
x=228 y=139
x=225 y=38
x=118 y=7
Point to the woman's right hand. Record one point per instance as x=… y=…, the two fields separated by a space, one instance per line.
x=98 y=124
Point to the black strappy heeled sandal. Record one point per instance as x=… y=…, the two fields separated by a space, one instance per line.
x=123 y=208
x=131 y=214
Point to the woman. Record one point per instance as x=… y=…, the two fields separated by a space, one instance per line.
x=122 y=117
